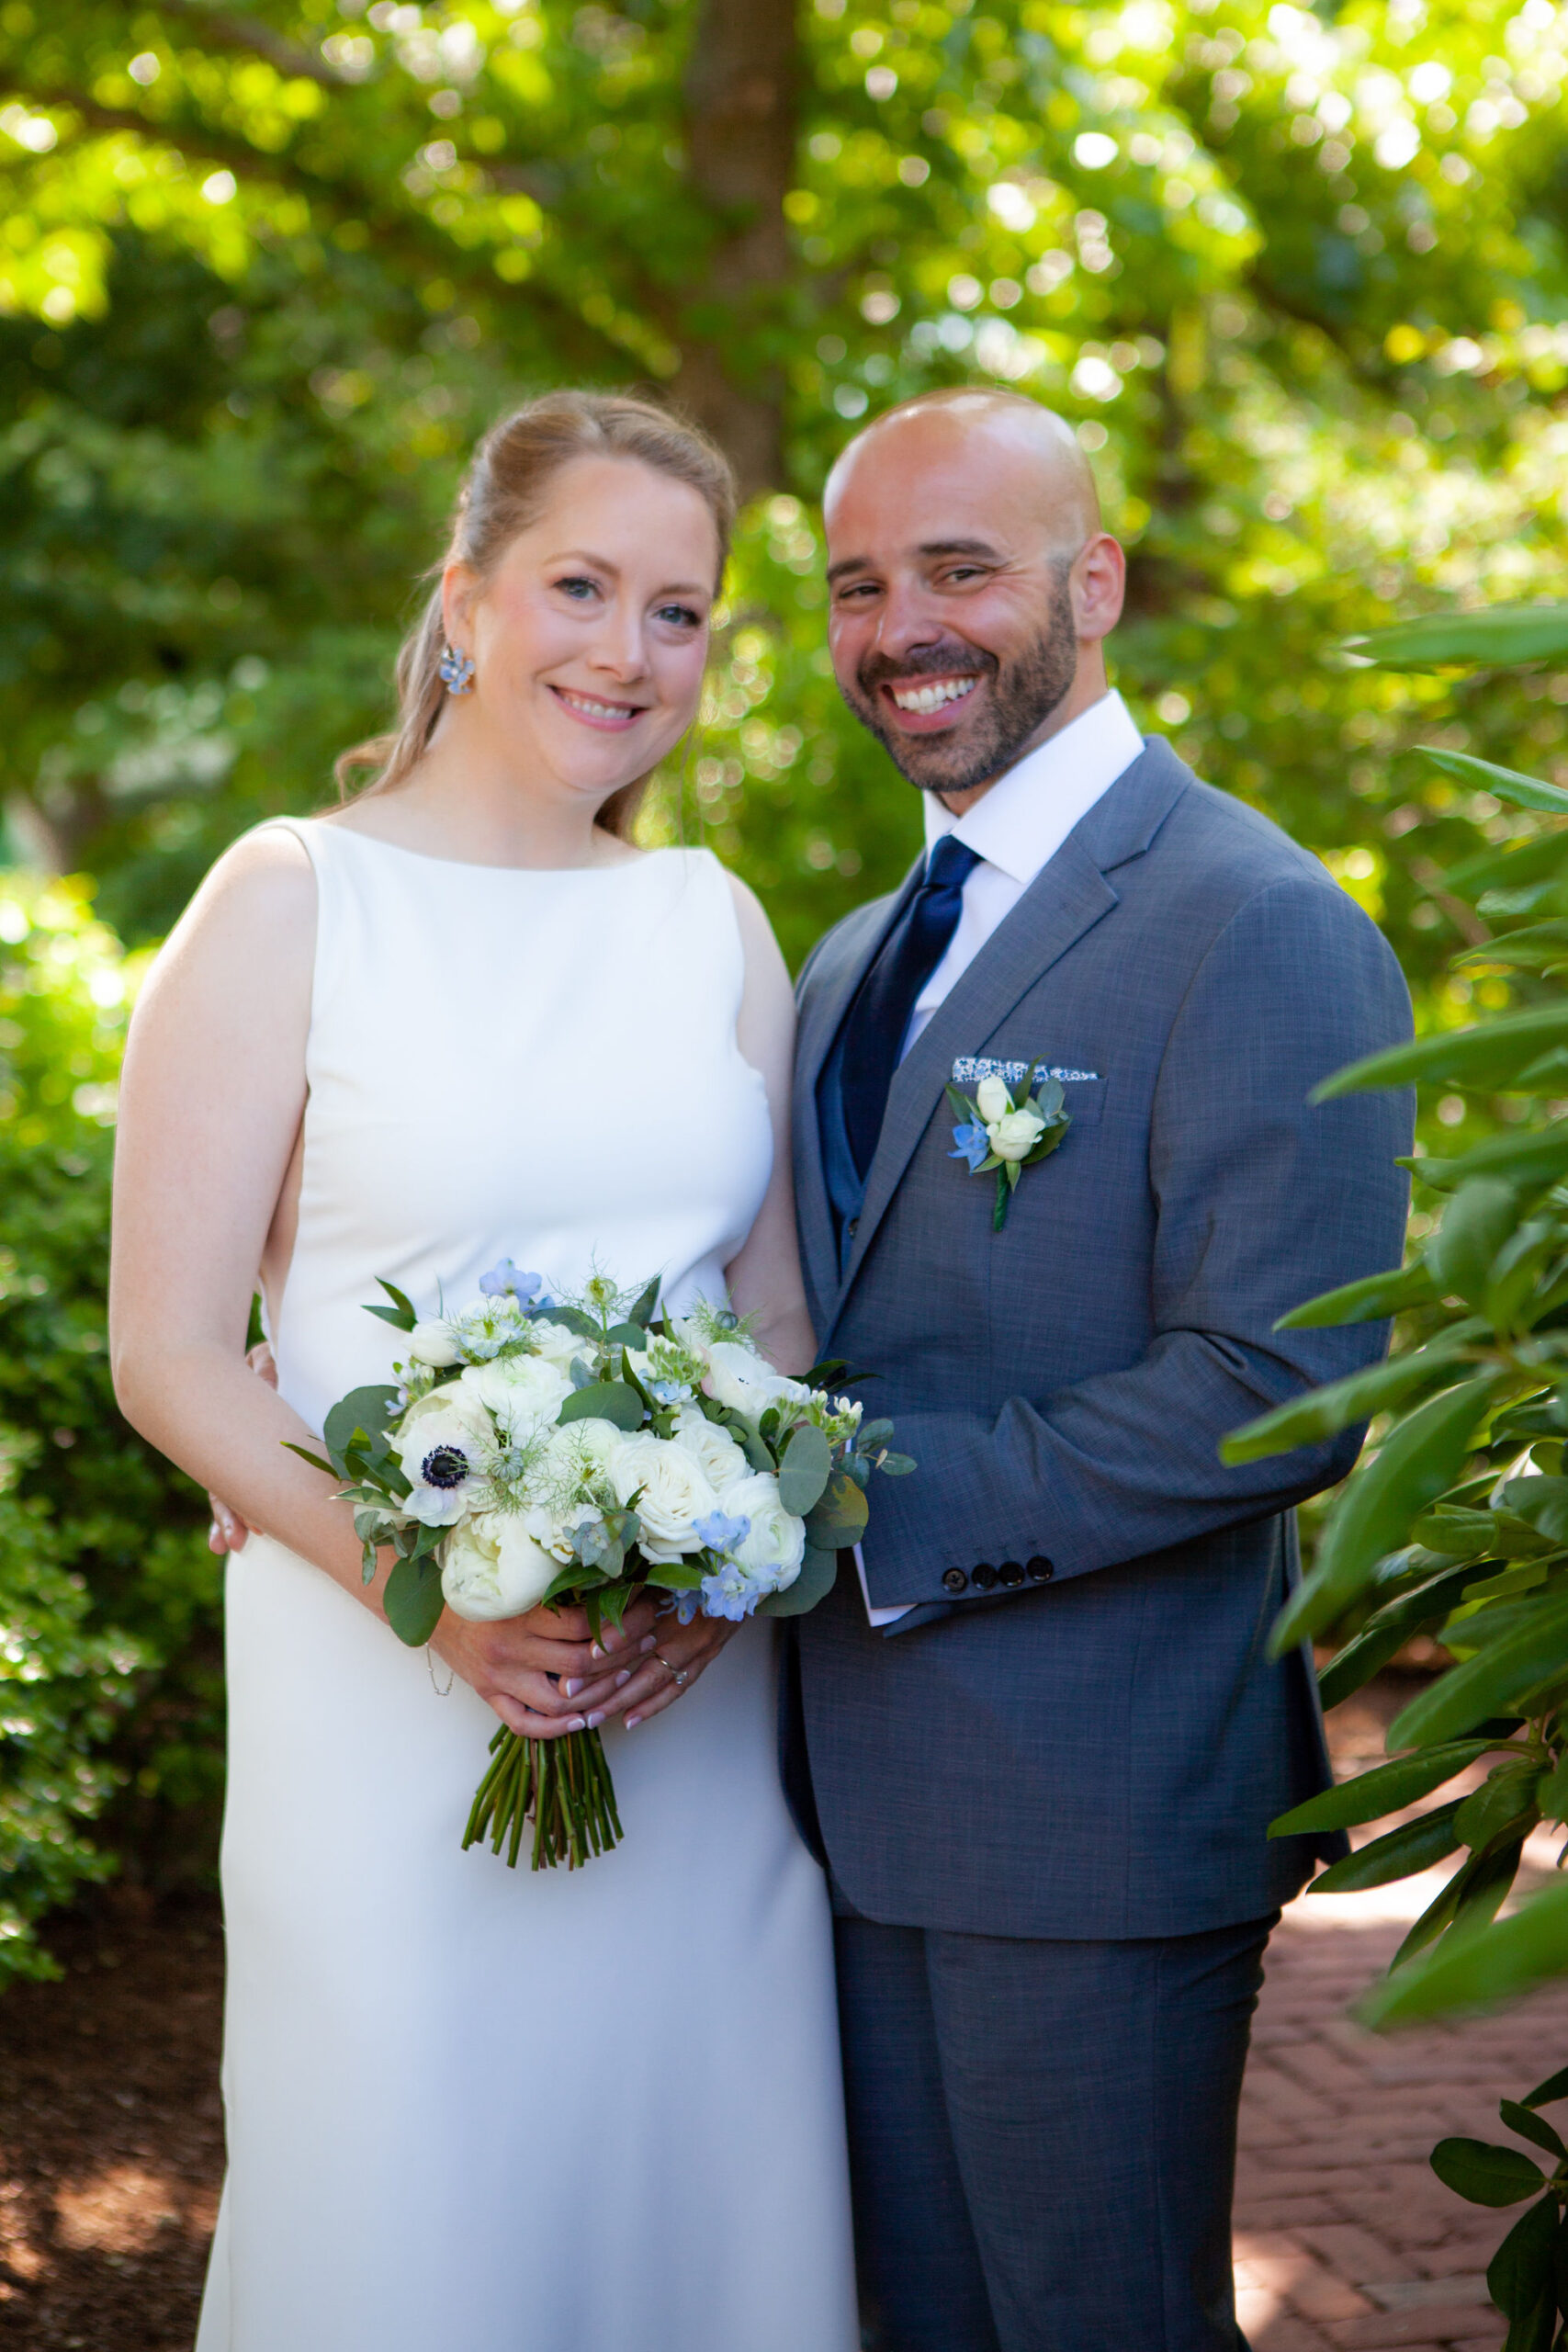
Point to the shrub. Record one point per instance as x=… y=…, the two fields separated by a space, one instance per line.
x=108 y=1599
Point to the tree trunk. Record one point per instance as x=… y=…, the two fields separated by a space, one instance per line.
x=741 y=122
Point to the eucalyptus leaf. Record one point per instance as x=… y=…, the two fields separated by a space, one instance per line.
x=412 y=1602
x=1386 y=1789
x=897 y=1465
x=840 y=1517
x=817 y=1570
x=370 y=1409
x=804 y=1470
x=605 y=1400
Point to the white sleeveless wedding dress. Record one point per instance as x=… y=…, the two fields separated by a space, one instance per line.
x=472 y=2110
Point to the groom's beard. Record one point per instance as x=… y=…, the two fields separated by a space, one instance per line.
x=1017 y=700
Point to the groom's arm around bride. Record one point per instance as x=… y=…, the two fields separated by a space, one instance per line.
x=1044 y=1789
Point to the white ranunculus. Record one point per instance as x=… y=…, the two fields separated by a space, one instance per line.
x=1015 y=1136
x=579 y=1446
x=675 y=1493
x=723 y=1462
x=493 y=1567
x=992 y=1100
x=558 y=1345
x=743 y=1380
x=431 y=1342
x=524 y=1393
x=775 y=1548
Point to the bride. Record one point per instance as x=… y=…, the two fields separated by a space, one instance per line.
x=458 y=1019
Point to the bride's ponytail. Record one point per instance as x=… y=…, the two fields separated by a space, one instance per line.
x=505 y=491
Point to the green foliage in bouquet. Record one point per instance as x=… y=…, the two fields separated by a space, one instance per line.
x=518 y=1466
x=111 y=1682
x=1456 y=1524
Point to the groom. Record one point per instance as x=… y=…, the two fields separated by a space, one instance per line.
x=1037 y=1728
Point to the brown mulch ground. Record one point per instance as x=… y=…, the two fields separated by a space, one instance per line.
x=111 y=2134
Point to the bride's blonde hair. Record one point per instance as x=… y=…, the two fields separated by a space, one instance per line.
x=505 y=491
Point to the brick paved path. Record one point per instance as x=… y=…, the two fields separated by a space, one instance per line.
x=1345 y=2240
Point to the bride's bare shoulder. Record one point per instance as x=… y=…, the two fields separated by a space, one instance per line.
x=252 y=920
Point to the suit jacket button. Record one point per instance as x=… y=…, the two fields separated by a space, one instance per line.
x=1041 y=1570
x=853 y=1226
x=984 y=1575
x=1012 y=1572
x=954 y=1580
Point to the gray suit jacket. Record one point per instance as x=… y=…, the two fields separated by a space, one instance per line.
x=1079 y=1732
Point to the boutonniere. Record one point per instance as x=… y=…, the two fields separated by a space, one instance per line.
x=1007 y=1130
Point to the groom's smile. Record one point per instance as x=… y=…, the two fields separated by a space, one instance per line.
x=968 y=577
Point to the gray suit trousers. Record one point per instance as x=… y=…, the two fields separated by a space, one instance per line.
x=1042 y=2135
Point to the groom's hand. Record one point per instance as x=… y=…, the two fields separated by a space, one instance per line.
x=543 y=1673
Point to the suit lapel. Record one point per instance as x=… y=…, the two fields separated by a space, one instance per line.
x=1069 y=894
x=824 y=1005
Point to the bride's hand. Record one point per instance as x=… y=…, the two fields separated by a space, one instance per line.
x=543 y=1673
x=680 y=1655
x=228 y=1531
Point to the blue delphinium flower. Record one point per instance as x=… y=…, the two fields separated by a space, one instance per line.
x=506 y=1277
x=973 y=1143
x=730 y=1593
x=721 y=1535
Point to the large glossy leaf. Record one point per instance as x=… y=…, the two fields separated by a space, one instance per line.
x=1521 y=2278
x=1421 y=1611
x=1491 y=1054
x=1504 y=1802
x=1380 y=1389
x=813 y=1584
x=1508 y=783
x=1530 y=1654
x=1386 y=1789
x=804 y=1470
x=1476 y=1223
x=605 y=1400
x=1399 y=1853
x=1367 y=1301
x=1486 y=2173
x=1520 y=2117
x=1491 y=1963
x=1372 y=1516
x=1497 y=638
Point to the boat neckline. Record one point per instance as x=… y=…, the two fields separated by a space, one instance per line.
x=471 y=865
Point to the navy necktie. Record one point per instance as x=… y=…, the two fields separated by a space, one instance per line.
x=880 y=1014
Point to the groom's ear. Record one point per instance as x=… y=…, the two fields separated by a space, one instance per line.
x=1098 y=585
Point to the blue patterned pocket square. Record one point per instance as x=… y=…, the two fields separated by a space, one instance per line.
x=970 y=1069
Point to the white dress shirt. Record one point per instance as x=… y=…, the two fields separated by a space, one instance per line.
x=1015 y=828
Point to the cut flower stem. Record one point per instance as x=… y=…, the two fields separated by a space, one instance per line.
x=563 y=1786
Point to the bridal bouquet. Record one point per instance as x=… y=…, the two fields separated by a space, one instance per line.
x=542 y=1451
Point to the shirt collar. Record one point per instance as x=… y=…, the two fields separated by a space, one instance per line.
x=1026 y=815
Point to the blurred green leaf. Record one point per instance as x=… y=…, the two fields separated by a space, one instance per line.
x=1506 y=634
x=1386 y=1789
x=1508 y=1671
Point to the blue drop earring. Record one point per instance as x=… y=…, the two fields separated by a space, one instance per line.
x=456 y=671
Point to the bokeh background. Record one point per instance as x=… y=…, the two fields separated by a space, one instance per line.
x=1298 y=276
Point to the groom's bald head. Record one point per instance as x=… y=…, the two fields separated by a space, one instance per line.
x=1003 y=432
x=972 y=583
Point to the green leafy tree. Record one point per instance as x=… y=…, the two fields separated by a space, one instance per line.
x=1298 y=277
x=1456 y=1524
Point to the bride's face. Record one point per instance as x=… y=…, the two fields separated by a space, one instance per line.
x=590 y=637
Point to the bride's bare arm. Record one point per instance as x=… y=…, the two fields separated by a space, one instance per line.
x=764 y=1277
x=213 y=1095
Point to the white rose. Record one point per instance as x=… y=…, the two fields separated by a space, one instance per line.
x=493 y=1567
x=524 y=1393
x=1015 y=1136
x=431 y=1342
x=993 y=1100
x=558 y=1345
x=676 y=1492
x=722 y=1460
x=740 y=1378
x=772 y=1552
